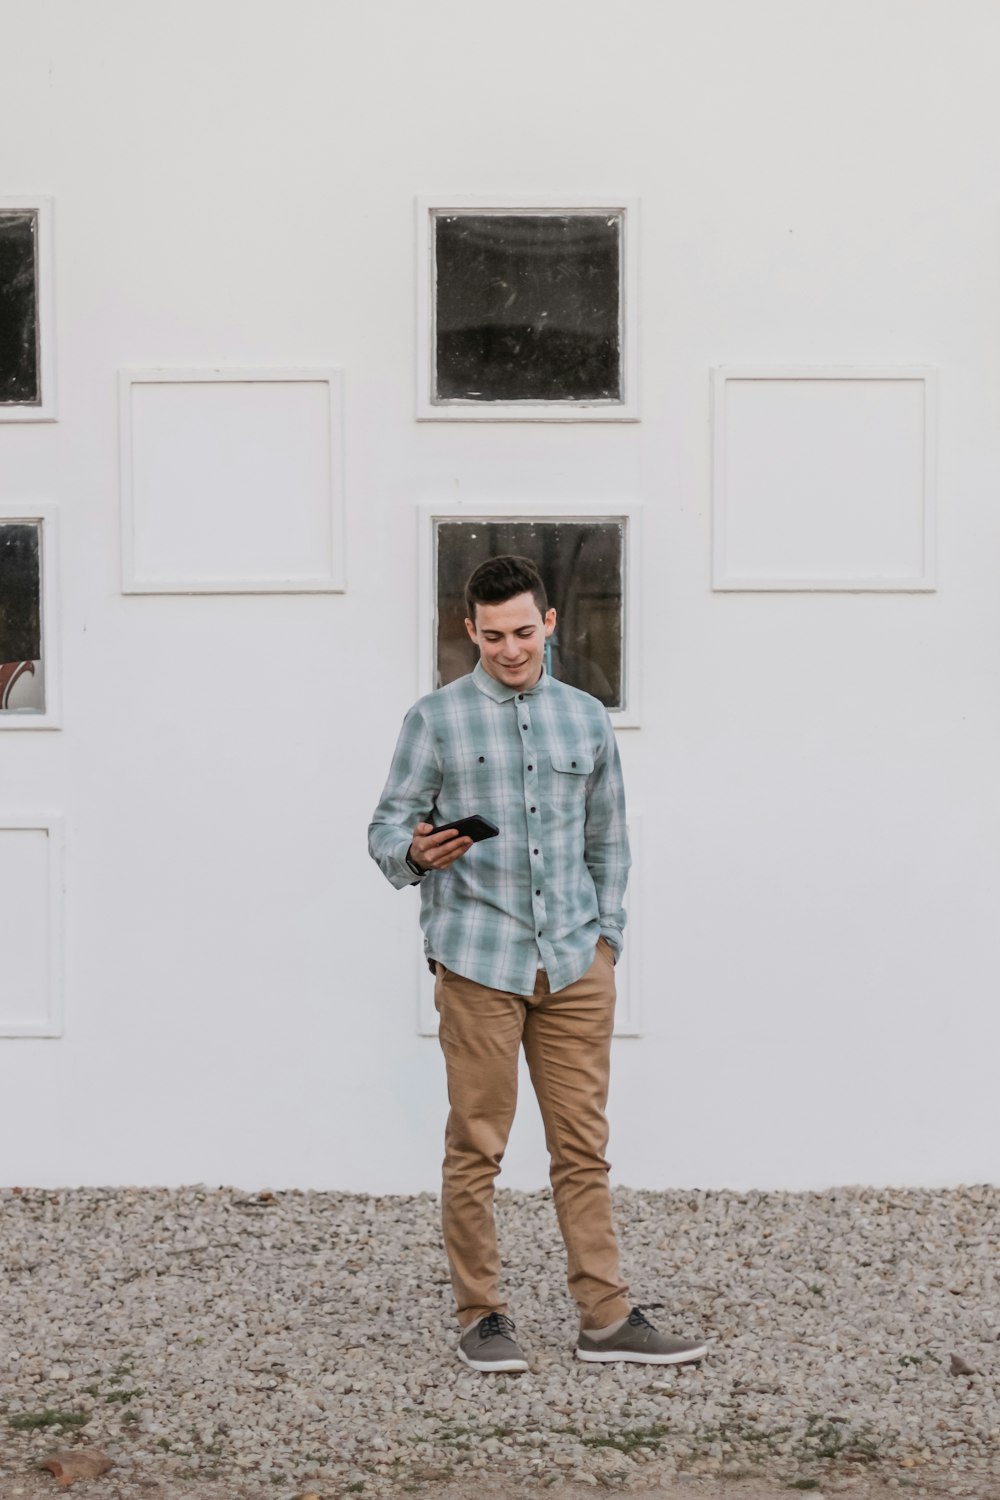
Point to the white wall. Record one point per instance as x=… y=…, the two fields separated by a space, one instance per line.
x=233 y=184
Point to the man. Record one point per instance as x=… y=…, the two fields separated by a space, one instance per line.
x=522 y=932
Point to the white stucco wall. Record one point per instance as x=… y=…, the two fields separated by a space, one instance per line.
x=233 y=184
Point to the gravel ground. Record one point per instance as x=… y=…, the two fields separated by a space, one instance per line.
x=219 y=1344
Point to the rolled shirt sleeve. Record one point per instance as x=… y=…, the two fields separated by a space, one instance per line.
x=407 y=799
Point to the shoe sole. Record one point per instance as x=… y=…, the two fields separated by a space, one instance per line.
x=683 y=1357
x=494 y=1366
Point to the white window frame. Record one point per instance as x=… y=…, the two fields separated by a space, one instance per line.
x=429 y=515
x=625 y=410
x=332 y=580
x=923 y=581
x=45 y=410
x=50 y=1024
x=46 y=517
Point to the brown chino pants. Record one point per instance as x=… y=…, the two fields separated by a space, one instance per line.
x=567 y=1042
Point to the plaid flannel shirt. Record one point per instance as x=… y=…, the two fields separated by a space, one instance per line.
x=543 y=765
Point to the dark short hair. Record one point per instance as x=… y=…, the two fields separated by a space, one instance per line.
x=502 y=578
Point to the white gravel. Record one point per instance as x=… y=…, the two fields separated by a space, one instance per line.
x=269 y=1344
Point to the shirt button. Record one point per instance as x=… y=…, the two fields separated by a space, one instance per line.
x=524 y=726
x=538 y=893
x=482 y=759
x=573 y=764
x=532 y=809
x=534 y=851
x=531 y=768
x=521 y=697
x=539 y=932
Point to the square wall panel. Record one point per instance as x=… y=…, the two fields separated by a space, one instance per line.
x=31 y=902
x=231 y=481
x=824 y=478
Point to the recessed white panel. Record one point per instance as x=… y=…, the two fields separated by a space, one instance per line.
x=231 y=482
x=29 y=900
x=823 y=479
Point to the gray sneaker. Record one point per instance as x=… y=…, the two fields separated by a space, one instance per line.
x=490 y=1345
x=638 y=1341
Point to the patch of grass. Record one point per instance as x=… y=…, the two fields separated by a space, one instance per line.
x=29 y=1421
x=355 y=1487
x=120 y=1372
x=803 y=1484
x=125 y=1396
x=738 y=1435
x=629 y=1439
x=465 y=1437
x=828 y=1437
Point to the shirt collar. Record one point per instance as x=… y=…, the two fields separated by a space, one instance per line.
x=498 y=691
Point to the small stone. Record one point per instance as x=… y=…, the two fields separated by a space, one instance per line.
x=70 y=1464
x=960 y=1366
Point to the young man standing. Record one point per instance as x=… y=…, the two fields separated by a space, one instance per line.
x=522 y=932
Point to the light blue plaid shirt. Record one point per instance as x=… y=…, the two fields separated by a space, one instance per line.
x=543 y=765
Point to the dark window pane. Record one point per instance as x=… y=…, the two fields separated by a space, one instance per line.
x=20 y=593
x=581 y=566
x=528 y=307
x=18 y=310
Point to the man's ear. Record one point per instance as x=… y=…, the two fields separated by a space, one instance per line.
x=550 y=623
x=470 y=627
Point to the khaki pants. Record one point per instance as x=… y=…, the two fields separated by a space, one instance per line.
x=567 y=1042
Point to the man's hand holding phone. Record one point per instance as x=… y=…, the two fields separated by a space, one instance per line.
x=437 y=850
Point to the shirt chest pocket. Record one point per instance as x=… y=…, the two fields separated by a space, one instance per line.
x=476 y=782
x=568 y=778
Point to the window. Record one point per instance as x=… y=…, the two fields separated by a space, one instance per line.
x=584 y=560
x=22 y=678
x=28 y=677
x=526 y=314
x=26 y=342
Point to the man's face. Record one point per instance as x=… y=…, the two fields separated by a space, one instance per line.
x=511 y=638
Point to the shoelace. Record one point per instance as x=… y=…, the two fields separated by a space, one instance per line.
x=638 y=1319
x=497 y=1325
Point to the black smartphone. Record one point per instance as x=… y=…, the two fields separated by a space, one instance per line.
x=474 y=828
